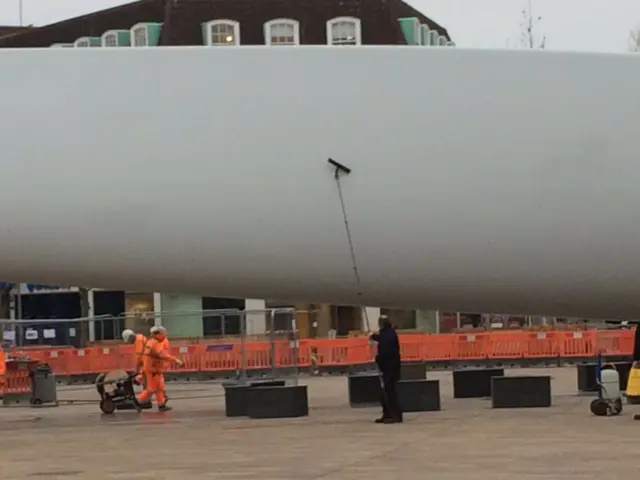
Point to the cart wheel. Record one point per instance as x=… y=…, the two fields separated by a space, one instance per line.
x=617 y=406
x=599 y=407
x=36 y=401
x=107 y=406
x=99 y=385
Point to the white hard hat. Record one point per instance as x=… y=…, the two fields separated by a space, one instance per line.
x=157 y=329
x=127 y=335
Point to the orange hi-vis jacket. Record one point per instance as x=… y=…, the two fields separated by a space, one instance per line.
x=138 y=350
x=165 y=344
x=3 y=367
x=155 y=357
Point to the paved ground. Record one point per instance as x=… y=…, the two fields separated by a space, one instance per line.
x=467 y=440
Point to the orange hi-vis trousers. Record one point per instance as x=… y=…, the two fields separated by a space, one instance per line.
x=3 y=370
x=154 y=386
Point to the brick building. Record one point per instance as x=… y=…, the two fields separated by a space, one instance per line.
x=238 y=22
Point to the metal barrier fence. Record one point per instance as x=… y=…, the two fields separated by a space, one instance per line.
x=75 y=332
x=242 y=358
x=257 y=340
x=264 y=342
x=193 y=325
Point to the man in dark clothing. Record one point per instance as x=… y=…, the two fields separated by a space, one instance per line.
x=388 y=361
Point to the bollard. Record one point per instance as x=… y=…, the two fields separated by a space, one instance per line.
x=521 y=392
x=474 y=382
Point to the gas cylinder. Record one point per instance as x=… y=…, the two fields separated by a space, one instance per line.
x=610 y=384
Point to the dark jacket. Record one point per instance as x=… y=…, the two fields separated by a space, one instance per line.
x=636 y=345
x=388 y=357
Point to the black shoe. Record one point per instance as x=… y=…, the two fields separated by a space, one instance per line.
x=391 y=420
x=381 y=420
x=164 y=408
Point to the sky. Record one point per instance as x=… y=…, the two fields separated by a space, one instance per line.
x=584 y=25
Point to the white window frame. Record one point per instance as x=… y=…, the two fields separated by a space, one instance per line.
x=433 y=34
x=425 y=39
x=282 y=21
x=133 y=30
x=82 y=42
x=417 y=32
x=107 y=34
x=223 y=21
x=332 y=23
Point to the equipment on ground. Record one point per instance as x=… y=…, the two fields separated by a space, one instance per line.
x=43 y=385
x=116 y=388
x=609 y=401
x=633 y=387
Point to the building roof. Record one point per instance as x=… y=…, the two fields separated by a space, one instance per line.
x=182 y=20
x=91 y=25
x=6 y=30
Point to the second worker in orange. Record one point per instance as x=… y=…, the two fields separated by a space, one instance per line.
x=154 y=362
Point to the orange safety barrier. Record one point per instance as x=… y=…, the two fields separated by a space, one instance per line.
x=190 y=355
x=470 y=346
x=339 y=352
x=17 y=382
x=17 y=379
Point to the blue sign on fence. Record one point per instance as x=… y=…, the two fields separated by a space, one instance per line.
x=31 y=287
x=219 y=348
x=36 y=287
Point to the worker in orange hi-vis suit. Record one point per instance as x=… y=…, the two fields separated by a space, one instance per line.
x=154 y=364
x=166 y=346
x=3 y=369
x=165 y=343
x=139 y=341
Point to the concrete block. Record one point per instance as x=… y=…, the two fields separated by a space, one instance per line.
x=413 y=371
x=419 y=395
x=474 y=382
x=364 y=390
x=236 y=397
x=278 y=402
x=587 y=382
x=521 y=392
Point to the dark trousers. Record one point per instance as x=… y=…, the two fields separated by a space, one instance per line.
x=389 y=397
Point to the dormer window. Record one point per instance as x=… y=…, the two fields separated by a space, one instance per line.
x=222 y=33
x=424 y=35
x=85 y=42
x=434 y=37
x=116 y=38
x=139 y=36
x=110 y=40
x=145 y=34
x=344 y=31
x=411 y=30
x=282 y=31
